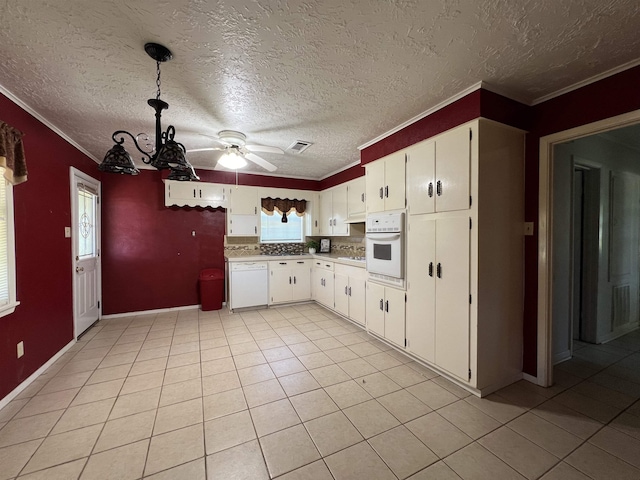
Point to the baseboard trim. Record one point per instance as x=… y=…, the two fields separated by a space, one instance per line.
x=16 y=391
x=151 y=312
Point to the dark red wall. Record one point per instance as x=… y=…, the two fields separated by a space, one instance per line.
x=342 y=177
x=44 y=318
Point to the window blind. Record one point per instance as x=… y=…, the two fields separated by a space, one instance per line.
x=4 y=240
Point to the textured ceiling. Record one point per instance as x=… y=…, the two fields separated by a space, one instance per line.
x=334 y=72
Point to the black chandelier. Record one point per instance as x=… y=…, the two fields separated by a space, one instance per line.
x=166 y=153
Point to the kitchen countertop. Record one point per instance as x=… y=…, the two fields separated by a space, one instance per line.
x=305 y=256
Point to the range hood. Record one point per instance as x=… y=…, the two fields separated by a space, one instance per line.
x=356 y=219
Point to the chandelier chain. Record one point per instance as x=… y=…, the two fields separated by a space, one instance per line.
x=158 y=80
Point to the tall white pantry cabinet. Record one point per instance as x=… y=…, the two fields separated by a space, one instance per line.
x=465 y=241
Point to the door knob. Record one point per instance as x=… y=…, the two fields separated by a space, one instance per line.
x=79 y=269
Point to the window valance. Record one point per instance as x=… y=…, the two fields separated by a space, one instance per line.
x=12 y=154
x=283 y=206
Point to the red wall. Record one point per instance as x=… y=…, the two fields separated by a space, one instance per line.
x=342 y=177
x=44 y=318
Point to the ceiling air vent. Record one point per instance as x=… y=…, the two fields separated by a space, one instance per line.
x=298 y=146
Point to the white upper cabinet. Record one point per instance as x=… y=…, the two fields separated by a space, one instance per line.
x=439 y=173
x=356 y=198
x=333 y=211
x=243 y=200
x=385 y=183
x=195 y=194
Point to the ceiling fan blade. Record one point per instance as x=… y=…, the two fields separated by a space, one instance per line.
x=264 y=148
x=208 y=149
x=261 y=162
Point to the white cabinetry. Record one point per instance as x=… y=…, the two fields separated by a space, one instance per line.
x=289 y=281
x=312 y=215
x=350 y=291
x=322 y=288
x=438 y=172
x=385 y=183
x=243 y=214
x=195 y=194
x=465 y=264
x=356 y=206
x=333 y=211
x=385 y=312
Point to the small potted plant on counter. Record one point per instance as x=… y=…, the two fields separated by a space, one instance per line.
x=313 y=246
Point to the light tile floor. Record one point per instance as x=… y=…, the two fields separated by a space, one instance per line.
x=299 y=393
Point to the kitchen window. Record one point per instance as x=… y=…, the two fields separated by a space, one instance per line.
x=273 y=230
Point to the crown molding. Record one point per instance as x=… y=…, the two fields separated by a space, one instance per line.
x=342 y=169
x=34 y=113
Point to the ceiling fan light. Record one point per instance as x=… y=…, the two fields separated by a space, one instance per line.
x=118 y=160
x=232 y=161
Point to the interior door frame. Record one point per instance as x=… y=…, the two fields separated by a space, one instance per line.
x=545 y=232
x=74 y=176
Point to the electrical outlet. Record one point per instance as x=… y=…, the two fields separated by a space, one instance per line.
x=20 y=348
x=528 y=228
x=67 y=232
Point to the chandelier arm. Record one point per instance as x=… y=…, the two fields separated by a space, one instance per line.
x=120 y=141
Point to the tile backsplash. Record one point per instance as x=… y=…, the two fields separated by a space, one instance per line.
x=353 y=246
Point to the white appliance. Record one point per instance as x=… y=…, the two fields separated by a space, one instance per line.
x=248 y=284
x=385 y=248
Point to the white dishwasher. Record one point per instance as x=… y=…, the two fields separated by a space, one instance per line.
x=248 y=285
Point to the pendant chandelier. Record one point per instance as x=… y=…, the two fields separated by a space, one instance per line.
x=166 y=153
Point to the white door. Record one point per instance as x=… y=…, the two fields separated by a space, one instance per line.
x=85 y=239
x=421 y=288
x=452 y=295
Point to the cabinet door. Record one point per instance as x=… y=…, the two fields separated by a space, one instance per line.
x=374 y=179
x=357 y=298
x=312 y=216
x=339 y=200
x=316 y=284
x=421 y=284
x=375 y=308
x=211 y=194
x=242 y=225
x=328 y=290
x=280 y=285
x=452 y=295
x=355 y=200
x=421 y=187
x=182 y=190
x=453 y=157
x=244 y=200
x=341 y=294
x=326 y=212
x=301 y=282
x=394 y=181
x=394 y=304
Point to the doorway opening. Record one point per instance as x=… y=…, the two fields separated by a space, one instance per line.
x=589 y=238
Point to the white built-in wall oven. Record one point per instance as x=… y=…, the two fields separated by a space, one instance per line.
x=385 y=248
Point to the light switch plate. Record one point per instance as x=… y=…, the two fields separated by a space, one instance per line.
x=528 y=229
x=67 y=232
x=20 y=349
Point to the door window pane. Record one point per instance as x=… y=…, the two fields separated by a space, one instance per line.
x=86 y=224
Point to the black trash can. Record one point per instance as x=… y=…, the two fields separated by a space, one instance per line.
x=211 y=288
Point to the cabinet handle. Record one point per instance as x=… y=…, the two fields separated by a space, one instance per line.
x=439 y=188
x=386 y=191
x=439 y=271
x=194 y=193
x=345 y=290
x=362 y=197
x=316 y=224
x=255 y=229
x=381 y=192
x=431 y=269
x=349 y=291
x=330 y=220
x=430 y=190
x=294 y=279
x=381 y=304
x=386 y=306
x=299 y=262
x=255 y=210
x=289 y=280
x=282 y=263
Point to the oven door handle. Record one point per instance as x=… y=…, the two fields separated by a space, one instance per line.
x=383 y=236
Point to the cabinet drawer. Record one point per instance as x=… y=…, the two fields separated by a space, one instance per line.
x=323 y=265
x=276 y=264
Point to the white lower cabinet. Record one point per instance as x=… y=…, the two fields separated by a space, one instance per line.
x=385 y=312
x=350 y=291
x=322 y=287
x=289 y=281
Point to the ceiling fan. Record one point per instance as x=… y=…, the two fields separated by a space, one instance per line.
x=236 y=151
